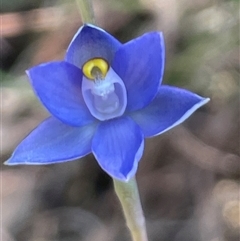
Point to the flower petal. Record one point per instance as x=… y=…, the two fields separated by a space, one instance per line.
x=58 y=86
x=118 y=146
x=53 y=142
x=140 y=64
x=170 y=108
x=91 y=42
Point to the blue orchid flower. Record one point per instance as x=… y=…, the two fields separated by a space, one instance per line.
x=105 y=98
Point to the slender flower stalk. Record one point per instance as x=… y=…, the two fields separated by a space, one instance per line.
x=86 y=10
x=128 y=195
x=127 y=192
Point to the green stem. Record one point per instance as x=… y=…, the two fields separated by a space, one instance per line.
x=128 y=195
x=86 y=10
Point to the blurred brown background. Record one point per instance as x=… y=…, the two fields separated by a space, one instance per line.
x=188 y=178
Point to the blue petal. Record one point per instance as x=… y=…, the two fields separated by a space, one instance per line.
x=118 y=146
x=53 y=142
x=58 y=86
x=170 y=108
x=140 y=64
x=91 y=42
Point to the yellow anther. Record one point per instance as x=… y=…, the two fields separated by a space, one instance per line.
x=94 y=67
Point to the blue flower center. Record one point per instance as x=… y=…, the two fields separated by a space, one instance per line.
x=103 y=90
x=105 y=98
